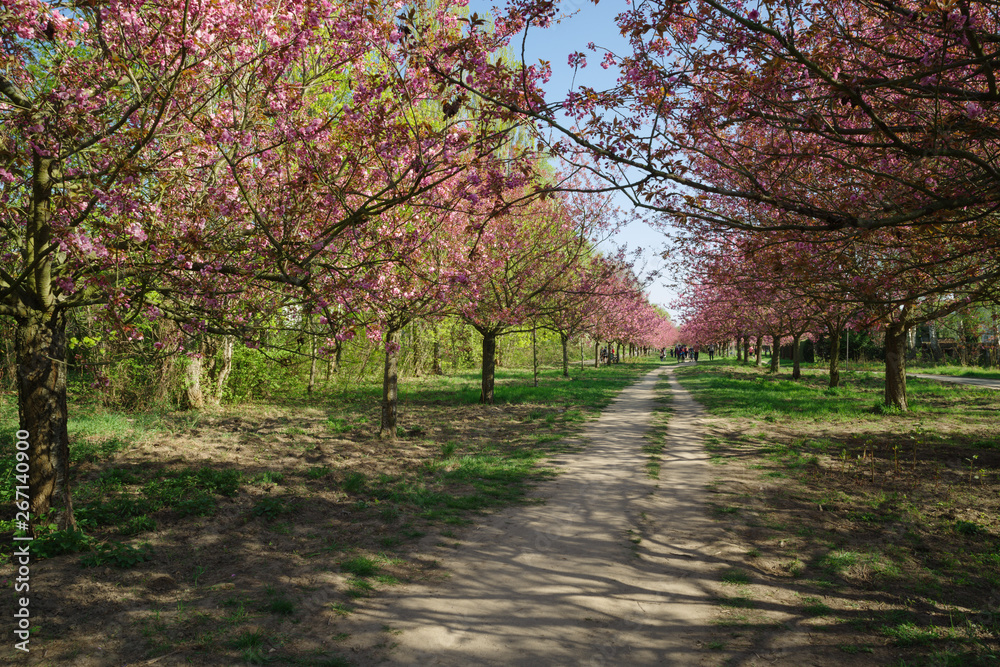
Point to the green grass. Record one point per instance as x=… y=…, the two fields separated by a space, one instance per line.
x=735 y=576
x=119 y=496
x=912 y=530
x=590 y=388
x=361 y=566
x=955 y=371
x=747 y=392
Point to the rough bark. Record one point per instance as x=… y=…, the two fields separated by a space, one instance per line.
x=565 y=350
x=759 y=357
x=746 y=348
x=390 y=386
x=436 y=351
x=534 y=354
x=775 y=352
x=835 y=357
x=489 y=368
x=597 y=353
x=40 y=343
x=194 y=399
x=796 y=356
x=312 y=365
x=895 y=366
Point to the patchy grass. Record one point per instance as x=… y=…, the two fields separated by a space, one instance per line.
x=657 y=433
x=881 y=530
x=243 y=535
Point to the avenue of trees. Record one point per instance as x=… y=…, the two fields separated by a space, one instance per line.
x=825 y=163
x=179 y=176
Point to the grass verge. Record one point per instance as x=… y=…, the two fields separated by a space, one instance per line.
x=887 y=528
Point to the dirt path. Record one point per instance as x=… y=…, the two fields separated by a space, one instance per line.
x=611 y=568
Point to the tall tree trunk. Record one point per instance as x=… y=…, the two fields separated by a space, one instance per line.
x=390 y=386
x=835 y=356
x=194 y=399
x=418 y=359
x=775 y=352
x=40 y=344
x=9 y=369
x=312 y=364
x=895 y=366
x=436 y=352
x=565 y=347
x=739 y=350
x=759 y=357
x=226 y=367
x=796 y=357
x=489 y=368
x=534 y=353
x=597 y=353
x=746 y=348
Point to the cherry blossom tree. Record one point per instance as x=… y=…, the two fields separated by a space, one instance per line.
x=171 y=160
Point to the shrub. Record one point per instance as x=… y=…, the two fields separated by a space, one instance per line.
x=120 y=555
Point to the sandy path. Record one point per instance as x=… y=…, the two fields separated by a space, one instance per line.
x=561 y=583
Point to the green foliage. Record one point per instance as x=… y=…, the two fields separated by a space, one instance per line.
x=318 y=472
x=138 y=524
x=359 y=588
x=886 y=410
x=735 y=576
x=188 y=492
x=269 y=508
x=255 y=375
x=280 y=605
x=360 y=566
x=59 y=542
x=338 y=425
x=909 y=634
x=267 y=478
x=120 y=555
x=969 y=528
x=251 y=646
x=354 y=482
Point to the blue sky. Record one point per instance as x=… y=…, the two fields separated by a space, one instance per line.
x=589 y=23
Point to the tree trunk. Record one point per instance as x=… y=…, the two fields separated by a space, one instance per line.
x=534 y=353
x=739 y=350
x=418 y=361
x=597 y=353
x=746 y=348
x=775 y=352
x=312 y=364
x=194 y=399
x=895 y=366
x=390 y=386
x=40 y=344
x=796 y=357
x=489 y=368
x=436 y=353
x=565 y=347
x=759 y=357
x=226 y=368
x=835 y=357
